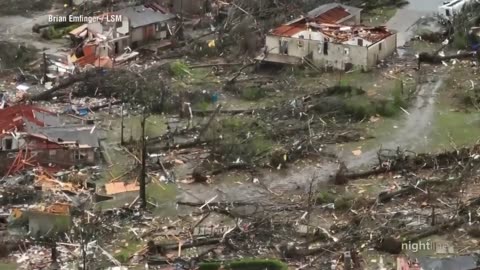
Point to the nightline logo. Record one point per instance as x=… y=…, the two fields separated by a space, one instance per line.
x=437 y=247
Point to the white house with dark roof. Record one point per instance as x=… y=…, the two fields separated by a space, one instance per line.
x=330 y=36
x=138 y=25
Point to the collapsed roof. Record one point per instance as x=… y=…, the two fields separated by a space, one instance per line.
x=140 y=16
x=47 y=125
x=326 y=20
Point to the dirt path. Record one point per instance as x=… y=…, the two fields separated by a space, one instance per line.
x=412 y=131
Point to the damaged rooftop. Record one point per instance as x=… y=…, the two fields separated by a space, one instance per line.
x=327 y=20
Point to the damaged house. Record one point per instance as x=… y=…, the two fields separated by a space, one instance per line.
x=34 y=136
x=329 y=37
x=120 y=31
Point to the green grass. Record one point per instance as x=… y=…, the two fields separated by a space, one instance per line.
x=378 y=16
x=202 y=106
x=179 y=69
x=8 y=266
x=253 y=93
x=458 y=127
x=159 y=194
x=246 y=264
x=460 y=40
x=127 y=251
x=325 y=197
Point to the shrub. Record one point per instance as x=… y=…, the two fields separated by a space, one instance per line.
x=360 y=107
x=460 y=40
x=386 y=108
x=344 y=90
x=399 y=99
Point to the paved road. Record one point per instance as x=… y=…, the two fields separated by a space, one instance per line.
x=405 y=18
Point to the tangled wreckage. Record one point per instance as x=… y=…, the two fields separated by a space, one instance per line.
x=172 y=139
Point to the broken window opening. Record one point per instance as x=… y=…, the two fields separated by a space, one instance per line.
x=283 y=47
x=8 y=143
x=360 y=42
x=380 y=46
x=79 y=155
x=347 y=51
x=325 y=48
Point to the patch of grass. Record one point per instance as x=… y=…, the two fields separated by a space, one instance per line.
x=386 y=108
x=16 y=55
x=209 y=266
x=261 y=144
x=296 y=71
x=127 y=250
x=253 y=93
x=344 y=89
x=179 y=69
x=460 y=40
x=399 y=96
x=58 y=32
x=246 y=264
x=360 y=107
x=461 y=128
x=201 y=106
x=378 y=16
x=8 y=266
x=344 y=202
x=165 y=192
x=235 y=123
x=257 y=264
x=325 y=197
x=242 y=137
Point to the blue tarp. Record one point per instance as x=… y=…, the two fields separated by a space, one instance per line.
x=82 y=111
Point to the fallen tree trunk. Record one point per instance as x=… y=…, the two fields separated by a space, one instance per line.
x=436 y=59
x=98 y=107
x=64 y=84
